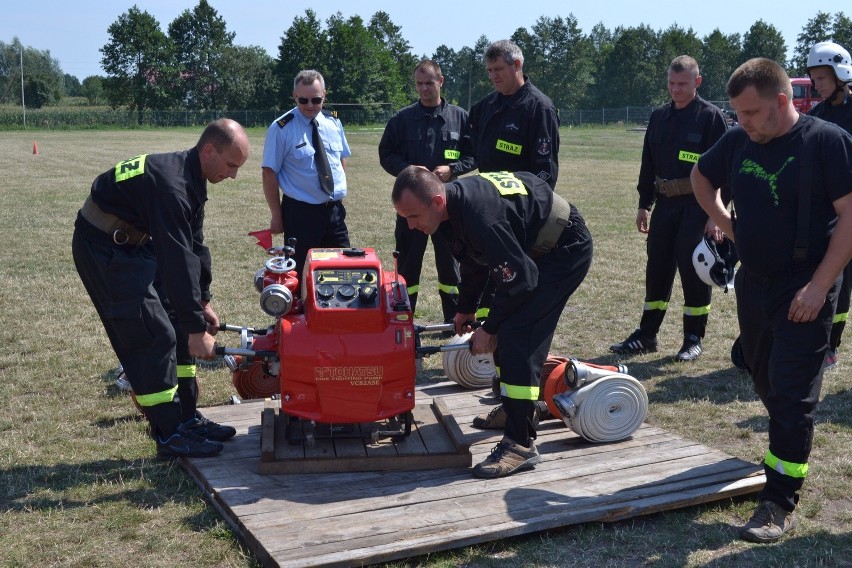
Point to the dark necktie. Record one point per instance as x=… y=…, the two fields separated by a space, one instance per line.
x=323 y=169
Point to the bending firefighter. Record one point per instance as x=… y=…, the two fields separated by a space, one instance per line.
x=511 y=229
x=139 y=249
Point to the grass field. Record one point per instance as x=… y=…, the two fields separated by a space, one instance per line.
x=78 y=482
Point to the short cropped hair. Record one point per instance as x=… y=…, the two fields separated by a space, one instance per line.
x=422 y=183
x=765 y=75
x=683 y=63
x=307 y=77
x=428 y=65
x=220 y=133
x=508 y=50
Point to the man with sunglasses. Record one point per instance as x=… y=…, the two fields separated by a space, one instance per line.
x=304 y=157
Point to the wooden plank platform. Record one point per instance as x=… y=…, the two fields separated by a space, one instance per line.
x=356 y=518
x=435 y=442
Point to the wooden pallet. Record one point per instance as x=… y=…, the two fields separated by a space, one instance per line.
x=435 y=442
x=365 y=517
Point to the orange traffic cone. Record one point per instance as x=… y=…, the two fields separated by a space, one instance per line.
x=35 y=148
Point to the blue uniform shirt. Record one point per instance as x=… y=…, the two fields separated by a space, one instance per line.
x=288 y=152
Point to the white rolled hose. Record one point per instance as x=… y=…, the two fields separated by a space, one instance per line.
x=608 y=409
x=469 y=371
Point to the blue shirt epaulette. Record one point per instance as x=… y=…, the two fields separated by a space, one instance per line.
x=282 y=122
x=329 y=113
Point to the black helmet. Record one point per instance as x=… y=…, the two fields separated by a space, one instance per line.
x=715 y=263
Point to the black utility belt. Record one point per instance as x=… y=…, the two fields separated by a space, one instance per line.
x=122 y=232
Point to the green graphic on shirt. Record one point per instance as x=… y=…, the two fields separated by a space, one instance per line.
x=753 y=168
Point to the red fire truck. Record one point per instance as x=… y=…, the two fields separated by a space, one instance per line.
x=804 y=95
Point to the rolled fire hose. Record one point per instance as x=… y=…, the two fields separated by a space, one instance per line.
x=607 y=409
x=469 y=371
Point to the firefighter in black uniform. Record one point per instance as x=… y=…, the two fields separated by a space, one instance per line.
x=434 y=134
x=791 y=180
x=830 y=69
x=677 y=134
x=138 y=246
x=511 y=229
x=516 y=127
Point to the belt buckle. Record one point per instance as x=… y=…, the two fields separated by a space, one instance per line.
x=116 y=237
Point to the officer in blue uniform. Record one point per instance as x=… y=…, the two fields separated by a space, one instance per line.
x=431 y=133
x=310 y=208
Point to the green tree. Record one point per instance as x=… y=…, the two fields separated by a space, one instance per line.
x=390 y=36
x=304 y=45
x=560 y=60
x=93 y=89
x=816 y=29
x=841 y=30
x=719 y=56
x=137 y=62
x=72 y=85
x=629 y=74
x=764 y=40
x=200 y=38
x=251 y=80
x=44 y=82
x=359 y=69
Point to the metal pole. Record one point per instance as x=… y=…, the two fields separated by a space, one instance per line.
x=23 y=105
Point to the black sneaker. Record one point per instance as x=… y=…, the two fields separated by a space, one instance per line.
x=768 y=523
x=691 y=348
x=635 y=344
x=184 y=443
x=209 y=429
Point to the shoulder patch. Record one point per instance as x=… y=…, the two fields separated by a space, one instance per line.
x=282 y=122
x=330 y=113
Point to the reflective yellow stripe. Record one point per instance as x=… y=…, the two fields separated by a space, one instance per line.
x=413 y=289
x=840 y=317
x=482 y=313
x=690 y=157
x=186 y=371
x=452 y=154
x=509 y=147
x=790 y=469
x=506 y=183
x=519 y=393
x=698 y=311
x=157 y=397
x=447 y=289
x=660 y=305
x=130 y=168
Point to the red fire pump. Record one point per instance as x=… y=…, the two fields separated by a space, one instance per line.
x=343 y=348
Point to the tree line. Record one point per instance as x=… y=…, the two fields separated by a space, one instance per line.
x=195 y=65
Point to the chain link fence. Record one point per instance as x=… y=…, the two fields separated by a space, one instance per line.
x=349 y=114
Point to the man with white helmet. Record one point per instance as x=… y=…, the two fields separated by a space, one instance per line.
x=830 y=69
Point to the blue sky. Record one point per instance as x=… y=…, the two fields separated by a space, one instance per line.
x=75 y=35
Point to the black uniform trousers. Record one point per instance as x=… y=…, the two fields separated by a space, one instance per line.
x=313 y=226
x=524 y=338
x=411 y=245
x=677 y=226
x=120 y=282
x=785 y=360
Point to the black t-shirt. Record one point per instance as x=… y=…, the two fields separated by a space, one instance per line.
x=765 y=180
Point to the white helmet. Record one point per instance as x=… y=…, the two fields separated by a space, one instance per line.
x=715 y=263
x=830 y=54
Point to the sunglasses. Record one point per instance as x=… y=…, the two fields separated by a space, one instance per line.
x=305 y=100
